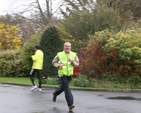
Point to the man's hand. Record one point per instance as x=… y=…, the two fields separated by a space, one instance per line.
x=60 y=66
x=71 y=60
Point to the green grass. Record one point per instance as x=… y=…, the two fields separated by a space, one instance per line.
x=26 y=80
x=22 y=80
x=55 y=82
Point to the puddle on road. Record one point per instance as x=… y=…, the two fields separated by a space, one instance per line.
x=124 y=98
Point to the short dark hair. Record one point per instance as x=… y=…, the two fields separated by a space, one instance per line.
x=37 y=46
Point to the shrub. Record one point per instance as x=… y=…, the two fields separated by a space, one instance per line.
x=28 y=50
x=50 y=44
x=93 y=60
x=11 y=65
x=81 y=81
x=111 y=52
x=124 y=52
x=53 y=81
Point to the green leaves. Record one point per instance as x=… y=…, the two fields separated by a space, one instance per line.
x=127 y=43
x=51 y=43
x=115 y=52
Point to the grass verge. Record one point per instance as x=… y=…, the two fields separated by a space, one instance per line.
x=19 y=80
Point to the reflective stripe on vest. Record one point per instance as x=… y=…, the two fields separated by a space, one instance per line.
x=67 y=66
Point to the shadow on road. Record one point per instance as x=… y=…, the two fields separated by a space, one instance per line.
x=124 y=98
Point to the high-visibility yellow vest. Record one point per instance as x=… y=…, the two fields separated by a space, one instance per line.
x=67 y=69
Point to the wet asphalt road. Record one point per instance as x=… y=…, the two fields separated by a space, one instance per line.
x=19 y=99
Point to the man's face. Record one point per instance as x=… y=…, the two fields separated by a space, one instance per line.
x=67 y=47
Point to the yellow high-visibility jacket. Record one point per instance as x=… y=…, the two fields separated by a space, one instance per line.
x=38 y=58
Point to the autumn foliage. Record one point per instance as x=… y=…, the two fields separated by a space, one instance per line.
x=93 y=60
x=113 y=54
x=9 y=37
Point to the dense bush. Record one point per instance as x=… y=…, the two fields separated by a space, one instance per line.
x=28 y=50
x=11 y=65
x=81 y=81
x=113 y=53
x=93 y=60
x=124 y=52
x=51 y=43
